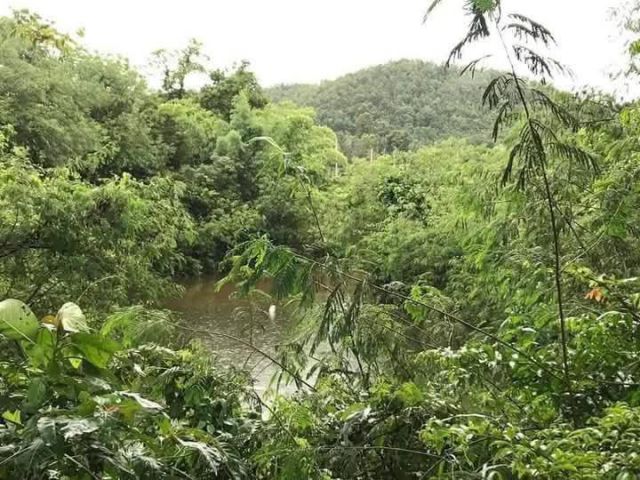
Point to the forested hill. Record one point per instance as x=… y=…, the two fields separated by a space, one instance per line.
x=399 y=105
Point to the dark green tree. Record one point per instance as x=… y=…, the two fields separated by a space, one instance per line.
x=218 y=96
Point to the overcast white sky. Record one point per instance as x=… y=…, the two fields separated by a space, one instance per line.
x=307 y=41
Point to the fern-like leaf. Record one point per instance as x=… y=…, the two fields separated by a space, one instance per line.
x=526 y=29
x=473 y=65
x=561 y=114
x=537 y=64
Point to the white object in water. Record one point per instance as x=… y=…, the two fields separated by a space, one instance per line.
x=272 y=313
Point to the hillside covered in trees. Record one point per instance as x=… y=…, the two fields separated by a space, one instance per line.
x=397 y=106
x=463 y=310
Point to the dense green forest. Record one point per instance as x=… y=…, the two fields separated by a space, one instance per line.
x=398 y=106
x=465 y=309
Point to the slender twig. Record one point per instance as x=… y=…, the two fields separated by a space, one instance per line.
x=93 y=284
x=360 y=448
x=313 y=210
x=11 y=457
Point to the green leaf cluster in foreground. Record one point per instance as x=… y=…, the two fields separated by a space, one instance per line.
x=77 y=403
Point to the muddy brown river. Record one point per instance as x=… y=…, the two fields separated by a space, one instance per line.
x=203 y=308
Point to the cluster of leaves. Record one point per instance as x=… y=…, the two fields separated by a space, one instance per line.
x=106 y=182
x=79 y=402
x=64 y=237
x=400 y=217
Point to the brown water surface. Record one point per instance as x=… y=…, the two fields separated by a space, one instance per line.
x=203 y=308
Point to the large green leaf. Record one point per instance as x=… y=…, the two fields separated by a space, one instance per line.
x=95 y=348
x=17 y=321
x=41 y=352
x=211 y=455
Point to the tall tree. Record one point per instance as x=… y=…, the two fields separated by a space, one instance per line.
x=176 y=65
x=218 y=96
x=539 y=118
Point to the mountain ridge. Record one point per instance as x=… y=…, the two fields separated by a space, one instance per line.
x=399 y=105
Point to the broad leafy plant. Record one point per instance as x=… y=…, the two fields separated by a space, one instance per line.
x=80 y=402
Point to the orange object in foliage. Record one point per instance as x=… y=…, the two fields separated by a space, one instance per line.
x=596 y=294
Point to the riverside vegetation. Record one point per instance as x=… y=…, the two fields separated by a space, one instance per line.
x=464 y=309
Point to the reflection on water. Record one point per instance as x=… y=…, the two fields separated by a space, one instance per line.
x=203 y=308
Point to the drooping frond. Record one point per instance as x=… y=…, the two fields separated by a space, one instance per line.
x=524 y=28
x=537 y=141
x=535 y=157
x=503 y=93
x=353 y=311
x=537 y=64
x=505 y=116
x=332 y=309
x=501 y=88
x=473 y=65
x=544 y=131
x=495 y=89
x=290 y=277
x=478 y=29
x=432 y=7
x=563 y=150
x=570 y=152
x=528 y=155
x=508 y=169
x=538 y=97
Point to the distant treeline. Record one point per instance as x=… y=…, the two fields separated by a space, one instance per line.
x=397 y=106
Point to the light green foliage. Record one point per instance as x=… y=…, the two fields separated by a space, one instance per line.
x=404 y=213
x=189 y=132
x=109 y=187
x=68 y=107
x=306 y=144
x=64 y=236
